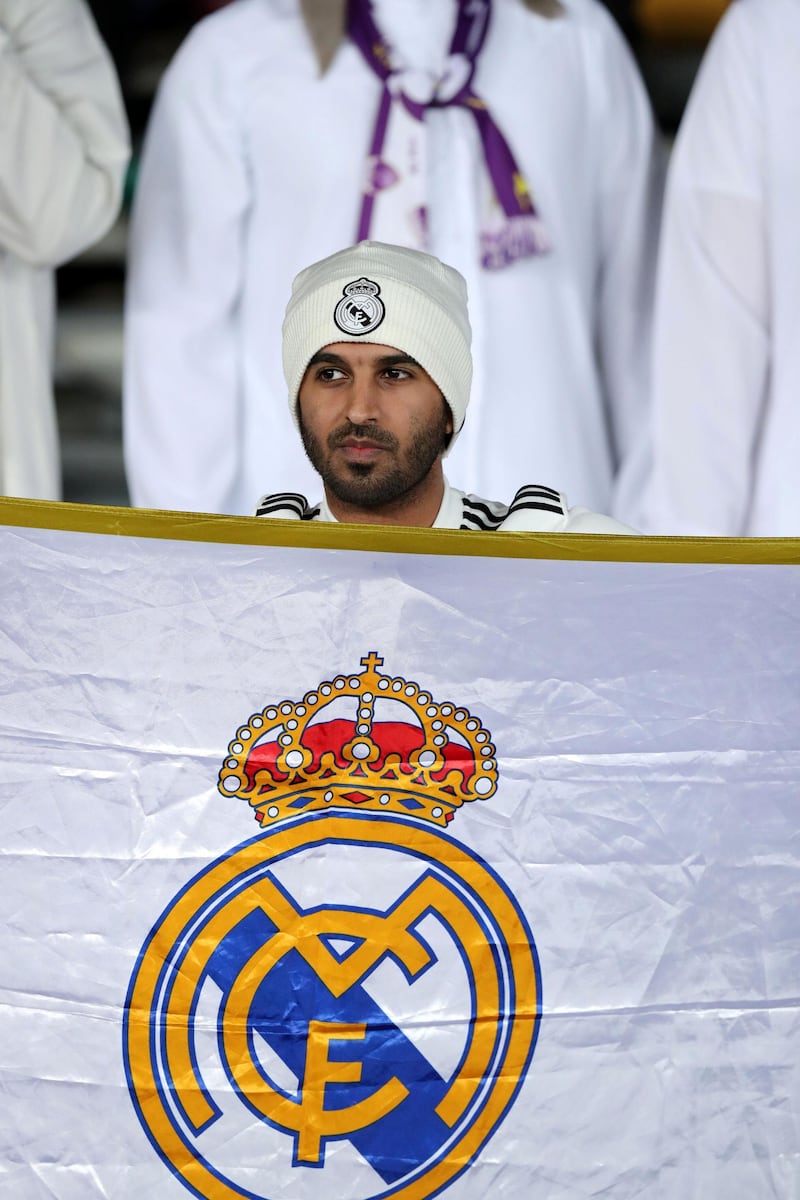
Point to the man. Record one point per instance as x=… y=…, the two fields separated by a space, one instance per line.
x=280 y=134
x=726 y=378
x=377 y=359
x=63 y=153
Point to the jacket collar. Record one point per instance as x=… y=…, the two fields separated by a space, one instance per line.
x=325 y=20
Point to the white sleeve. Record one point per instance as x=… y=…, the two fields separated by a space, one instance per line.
x=631 y=173
x=581 y=520
x=711 y=349
x=63 y=132
x=182 y=389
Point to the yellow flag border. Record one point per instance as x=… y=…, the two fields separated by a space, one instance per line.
x=255 y=531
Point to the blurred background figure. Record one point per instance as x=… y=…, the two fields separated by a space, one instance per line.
x=286 y=129
x=63 y=153
x=667 y=36
x=726 y=422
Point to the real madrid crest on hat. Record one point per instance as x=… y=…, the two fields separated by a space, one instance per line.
x=360 y=310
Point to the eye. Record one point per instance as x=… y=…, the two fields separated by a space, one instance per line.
x=396 y=373
x=329 y=374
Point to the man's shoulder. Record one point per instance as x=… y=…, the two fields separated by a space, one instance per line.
x=533 y=505
x=535 y=508
x=240 y=16
x=243 y=34
x=287 y=506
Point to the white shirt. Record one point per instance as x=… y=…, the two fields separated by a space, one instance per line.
x=251 y=171
x=726 y=420
x=534 y=509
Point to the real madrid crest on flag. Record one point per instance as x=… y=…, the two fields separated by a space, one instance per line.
x=361 y=309
x=347 y=1004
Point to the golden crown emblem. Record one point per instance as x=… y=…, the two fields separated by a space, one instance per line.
x=370 y=742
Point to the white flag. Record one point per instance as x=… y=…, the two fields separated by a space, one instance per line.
x=370 y=865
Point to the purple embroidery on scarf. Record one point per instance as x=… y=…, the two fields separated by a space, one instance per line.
x=383 y=175
x=519 y=238
x=419 y=223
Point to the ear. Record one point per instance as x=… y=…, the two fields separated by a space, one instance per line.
x=448 y=426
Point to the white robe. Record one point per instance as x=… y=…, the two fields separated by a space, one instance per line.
x=251 y=171
x=726 y=418
x=63 y=152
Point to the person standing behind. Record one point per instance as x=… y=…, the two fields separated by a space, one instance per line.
x=512 y=138
x=63 y=153
x=726 y=418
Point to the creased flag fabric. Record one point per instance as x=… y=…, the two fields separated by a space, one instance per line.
x=354 y=869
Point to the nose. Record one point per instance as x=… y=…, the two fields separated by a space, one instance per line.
x=363 y=399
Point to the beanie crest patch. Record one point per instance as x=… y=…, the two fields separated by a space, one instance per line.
x=360 y=311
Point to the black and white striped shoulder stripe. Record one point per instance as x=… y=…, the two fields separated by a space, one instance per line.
x=482 y=514
x=539 y=497
x=488 y=515
x=289 y=505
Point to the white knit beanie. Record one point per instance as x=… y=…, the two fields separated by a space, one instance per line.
x=388 y=295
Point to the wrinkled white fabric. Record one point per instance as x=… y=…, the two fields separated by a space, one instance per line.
x=63 y=152
x=643 y=719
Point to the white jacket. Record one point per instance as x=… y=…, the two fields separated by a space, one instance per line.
x=534 y=509
x=726 y=421
x=63 y=152
x=251 y=170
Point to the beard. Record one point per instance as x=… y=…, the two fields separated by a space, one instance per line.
x=393 y=477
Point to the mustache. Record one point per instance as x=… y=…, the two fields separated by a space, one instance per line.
x=370 y=433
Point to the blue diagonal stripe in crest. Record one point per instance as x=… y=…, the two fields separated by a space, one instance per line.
x=291 y=996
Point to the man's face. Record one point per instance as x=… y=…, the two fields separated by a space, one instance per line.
x=373 y=423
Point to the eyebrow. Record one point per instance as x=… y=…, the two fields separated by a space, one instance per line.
x=386 y=360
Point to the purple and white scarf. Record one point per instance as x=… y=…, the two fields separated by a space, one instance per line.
x=394 y=190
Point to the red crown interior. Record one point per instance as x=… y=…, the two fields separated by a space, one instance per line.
x=391 y=737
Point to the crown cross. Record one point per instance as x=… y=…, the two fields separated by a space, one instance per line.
x=372 y=662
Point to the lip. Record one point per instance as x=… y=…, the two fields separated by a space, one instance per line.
x=360 y=449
